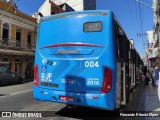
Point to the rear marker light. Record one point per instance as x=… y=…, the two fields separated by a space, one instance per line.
x=107 y=80
x=36 y=79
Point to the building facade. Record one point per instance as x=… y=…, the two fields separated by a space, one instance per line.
x=150 y=49
x=17 y=39
x=153 y=48
x=78 y=5
x=51 y=7
x=156 y=30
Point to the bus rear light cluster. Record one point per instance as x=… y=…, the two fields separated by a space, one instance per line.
x=36 y=80
x=107 y=80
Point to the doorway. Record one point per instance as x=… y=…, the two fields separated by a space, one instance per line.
x=18 y=69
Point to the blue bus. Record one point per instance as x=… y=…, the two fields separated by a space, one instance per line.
x=84 y=59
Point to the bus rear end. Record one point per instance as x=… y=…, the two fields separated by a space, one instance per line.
x=75 y=59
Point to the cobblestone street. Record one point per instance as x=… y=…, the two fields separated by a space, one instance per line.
x=149 y=101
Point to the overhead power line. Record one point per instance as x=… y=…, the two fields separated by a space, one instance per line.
x=132 y=16
x=136 y=14
x=140 y=14
x=8 y=8
x=145 y=4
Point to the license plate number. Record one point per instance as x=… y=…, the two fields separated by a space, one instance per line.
x=65 y=98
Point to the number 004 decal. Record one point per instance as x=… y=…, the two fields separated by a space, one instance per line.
x=91 y=64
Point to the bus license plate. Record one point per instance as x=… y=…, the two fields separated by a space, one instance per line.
x=65 y=98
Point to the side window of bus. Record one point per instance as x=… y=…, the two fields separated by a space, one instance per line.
x=118 y=42
x=125 y=48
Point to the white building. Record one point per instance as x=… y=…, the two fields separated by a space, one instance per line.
x=150 y=44
x=50 y=7
x=78 y=5
x=150 y=39
x=132 y=42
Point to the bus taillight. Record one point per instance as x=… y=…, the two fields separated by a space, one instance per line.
x=36 y=80
x=107 y=80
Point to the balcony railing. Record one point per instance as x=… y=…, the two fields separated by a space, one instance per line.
x=12 y=43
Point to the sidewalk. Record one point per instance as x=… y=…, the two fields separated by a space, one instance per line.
x=149 y=101
x=152 y=102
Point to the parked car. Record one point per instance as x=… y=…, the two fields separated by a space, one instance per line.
x=7 y=77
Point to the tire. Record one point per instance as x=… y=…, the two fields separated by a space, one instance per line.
x=20 y=81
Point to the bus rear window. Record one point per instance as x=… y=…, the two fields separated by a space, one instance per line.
x=92 y=26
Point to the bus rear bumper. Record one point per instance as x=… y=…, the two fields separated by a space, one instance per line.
x=100 y=101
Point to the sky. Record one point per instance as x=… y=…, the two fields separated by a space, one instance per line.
x=128 y=15
x=127 y=12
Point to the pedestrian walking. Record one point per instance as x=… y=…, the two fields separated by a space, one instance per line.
x=144 y=70
x=157 y=76
x=159 y=87
x=148 y=76
x=151 y=71
x=142 y=77
x=156 y=73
